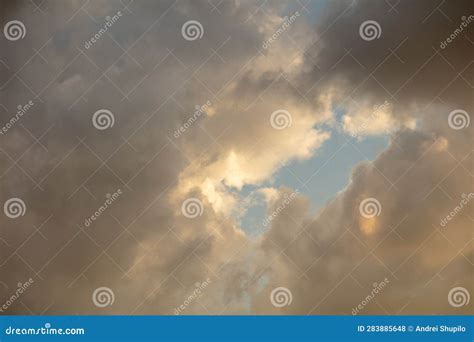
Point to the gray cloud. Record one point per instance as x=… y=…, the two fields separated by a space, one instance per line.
x=142 y=246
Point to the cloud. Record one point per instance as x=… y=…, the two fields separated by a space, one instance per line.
x=331 y=259
x=144 y=248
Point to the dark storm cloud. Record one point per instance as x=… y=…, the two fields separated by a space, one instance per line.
x=331 y=263
x=142 y=246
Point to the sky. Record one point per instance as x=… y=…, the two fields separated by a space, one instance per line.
x=236 y=157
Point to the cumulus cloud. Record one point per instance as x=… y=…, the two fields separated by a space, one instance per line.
x=317 y=74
